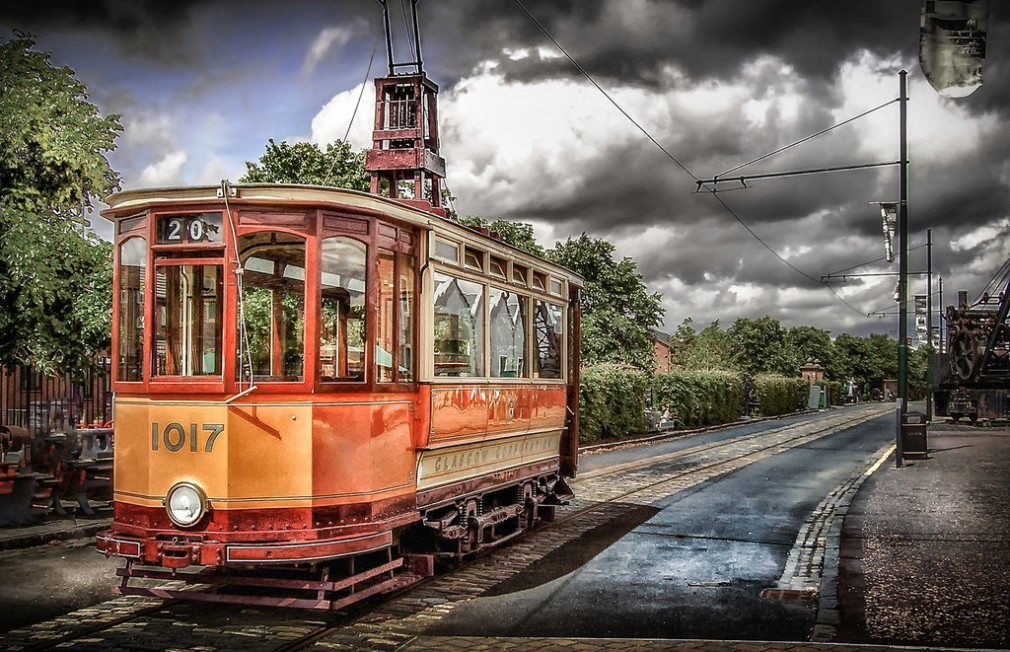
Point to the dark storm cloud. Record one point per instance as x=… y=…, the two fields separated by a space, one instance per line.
x=143 y=26
x=629 y=40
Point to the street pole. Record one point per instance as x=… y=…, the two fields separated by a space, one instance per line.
x=902 y=263
x=929 y=319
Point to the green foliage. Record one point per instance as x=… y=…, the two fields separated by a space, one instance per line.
x=778 y=394
x=55 y=280
x=699 y=398
x=618 y=313
x=804 y=343
x=711 y=349
x=760 y=346
x=518 y=234
x=834 y=389
x=867 y=360
x=306 y=163
x=918 y=365
x=611 y=402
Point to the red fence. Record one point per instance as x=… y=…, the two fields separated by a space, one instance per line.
x=43 y=404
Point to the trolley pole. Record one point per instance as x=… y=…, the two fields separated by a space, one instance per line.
x=902 y=263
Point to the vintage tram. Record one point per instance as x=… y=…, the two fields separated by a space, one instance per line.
x=319 y=391
x=307 y=374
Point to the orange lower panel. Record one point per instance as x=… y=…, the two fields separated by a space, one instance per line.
x=308 y=551
x=180 y=554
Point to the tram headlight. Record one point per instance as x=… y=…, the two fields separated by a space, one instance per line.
x=185 y=504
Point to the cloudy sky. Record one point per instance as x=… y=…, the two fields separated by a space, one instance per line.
x=202 y=85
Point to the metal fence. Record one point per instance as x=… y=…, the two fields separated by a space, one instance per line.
x=44 y=404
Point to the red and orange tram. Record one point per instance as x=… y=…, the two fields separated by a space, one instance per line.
x=326 y=389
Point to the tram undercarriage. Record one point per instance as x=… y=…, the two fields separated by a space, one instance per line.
x=472 y=524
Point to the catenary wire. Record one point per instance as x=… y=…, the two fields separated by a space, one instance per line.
x=733 y=213
x=806 y=138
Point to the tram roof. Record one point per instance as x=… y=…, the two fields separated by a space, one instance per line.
x=127 y=203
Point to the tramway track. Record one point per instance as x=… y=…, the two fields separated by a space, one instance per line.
x=759 y=444
x=602 y=497
x=575 y=521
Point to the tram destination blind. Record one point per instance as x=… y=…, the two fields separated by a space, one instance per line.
x=189 y=228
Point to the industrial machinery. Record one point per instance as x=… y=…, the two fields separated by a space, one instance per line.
x=976 y=380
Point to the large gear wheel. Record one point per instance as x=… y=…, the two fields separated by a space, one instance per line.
x=963 y=355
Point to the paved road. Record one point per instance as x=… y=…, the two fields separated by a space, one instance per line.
x=697 y=568
x=46 y=581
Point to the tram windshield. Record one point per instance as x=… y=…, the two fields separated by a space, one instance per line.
x=342 y=337
x=273 y=307
x=188 y=320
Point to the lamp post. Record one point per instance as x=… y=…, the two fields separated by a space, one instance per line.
x=929 y=318
x=902 y=263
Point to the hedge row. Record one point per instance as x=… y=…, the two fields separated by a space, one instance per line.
x=779 y=394
x=699 y=398
x=612 y=399
x=611 y=402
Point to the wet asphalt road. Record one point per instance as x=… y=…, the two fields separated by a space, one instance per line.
x=51 y=580
x=696 y=568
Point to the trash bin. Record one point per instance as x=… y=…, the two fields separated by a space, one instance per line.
x=913 y=434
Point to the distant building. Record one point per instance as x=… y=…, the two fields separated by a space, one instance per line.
x=812 y=372
x=662 y=351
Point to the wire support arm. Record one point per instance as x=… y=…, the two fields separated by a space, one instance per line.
x=742 y=180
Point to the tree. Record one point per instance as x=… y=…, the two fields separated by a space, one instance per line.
x=618 y=313
x=55 y=279
x=804 y=343
x=869 y=360
x=760 y=346
x=711 y=349
x=306 y=163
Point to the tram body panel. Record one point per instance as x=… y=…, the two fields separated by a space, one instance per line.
x=468 y=412
x=362 y=450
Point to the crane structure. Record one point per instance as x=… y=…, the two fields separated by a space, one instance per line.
x=974 y=373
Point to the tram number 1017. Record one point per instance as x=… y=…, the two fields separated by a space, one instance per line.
x=174 y=437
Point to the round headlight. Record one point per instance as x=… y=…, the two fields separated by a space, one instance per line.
x=185 y=504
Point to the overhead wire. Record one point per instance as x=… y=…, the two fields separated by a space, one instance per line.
x=592 y=81
x=673 y=158
x=806 y=138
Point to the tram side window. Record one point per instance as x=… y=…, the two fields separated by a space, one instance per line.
x=394 y=348
x=407 y=280
x=132 y=279
x=459 y=327
x=547 y=328
x=342 y=336
x=188 y=320
x=273 y=305
x=508 y=334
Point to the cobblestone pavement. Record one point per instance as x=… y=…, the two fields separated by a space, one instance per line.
x=400 y=623
x=926 y=550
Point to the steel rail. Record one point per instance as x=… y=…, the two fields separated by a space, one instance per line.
x=810 y=431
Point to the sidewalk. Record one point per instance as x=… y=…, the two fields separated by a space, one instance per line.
x=54 y=528
x=925 y=548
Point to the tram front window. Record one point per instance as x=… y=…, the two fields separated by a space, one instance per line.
x=342 y=337
x=132 y=281
x=188 y=328
x=273 y=306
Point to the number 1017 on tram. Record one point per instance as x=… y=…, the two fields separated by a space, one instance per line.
x=322 y=391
